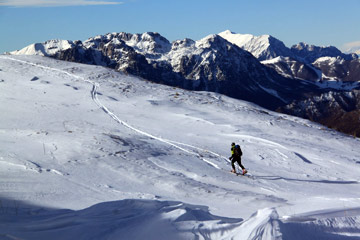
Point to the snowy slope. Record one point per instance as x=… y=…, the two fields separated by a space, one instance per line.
x=90 y=153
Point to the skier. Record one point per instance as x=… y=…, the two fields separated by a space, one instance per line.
x=236 y=154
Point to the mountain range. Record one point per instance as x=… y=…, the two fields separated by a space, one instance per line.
x=259 y=69
x=301 y=61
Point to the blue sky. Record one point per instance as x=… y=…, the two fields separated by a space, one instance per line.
x=318 y=22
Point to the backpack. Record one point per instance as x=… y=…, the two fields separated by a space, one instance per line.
x=237 y=150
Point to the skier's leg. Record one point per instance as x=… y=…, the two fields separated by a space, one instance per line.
x=242 y=167
x=233 y=165
x=239 y=162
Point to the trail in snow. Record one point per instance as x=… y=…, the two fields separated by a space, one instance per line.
x=117 y=119
x=94 y=95
x=264 y=141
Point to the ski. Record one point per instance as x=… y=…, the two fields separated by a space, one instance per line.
x=244 y=175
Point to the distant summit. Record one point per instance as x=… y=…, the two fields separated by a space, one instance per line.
x=47 y=48
x=354 y=49
x=263 y=47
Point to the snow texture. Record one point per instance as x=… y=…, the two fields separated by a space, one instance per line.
x=90 y=153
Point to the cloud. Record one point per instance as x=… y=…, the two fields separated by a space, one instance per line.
x=53 y=3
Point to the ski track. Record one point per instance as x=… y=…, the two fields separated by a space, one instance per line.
x=32 y=166
x=264 y=141
x=94 y=95
x=203 y=150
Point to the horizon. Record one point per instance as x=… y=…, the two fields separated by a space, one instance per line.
x=317 y=23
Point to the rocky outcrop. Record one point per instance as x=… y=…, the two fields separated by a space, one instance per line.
x=310 y=53
x=337 y=110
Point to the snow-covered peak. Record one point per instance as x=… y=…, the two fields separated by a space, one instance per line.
x=179 y=44
x=207 y=41
x=47 y=48
x=227 y=32
x=148 y=43
x=241 y=39
x=238 y=39
x=217 y=44
x=151 y=42
x=263 y=47
x=96 y=41
x=246 y=41
x=355 y=50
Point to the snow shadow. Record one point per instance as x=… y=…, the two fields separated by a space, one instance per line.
x=141 y=146
x=125 y=219
x=113 y=98
x=275 y=178
x=303 y=158
x=317 y=231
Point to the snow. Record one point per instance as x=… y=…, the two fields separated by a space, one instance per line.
x=329 y=60
x=353 y=47
x=273 y=60
x=335 y=84
x=90 y=153
x=47 y=48
x=257 y=45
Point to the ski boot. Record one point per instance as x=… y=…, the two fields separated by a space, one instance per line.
x=244 y=171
